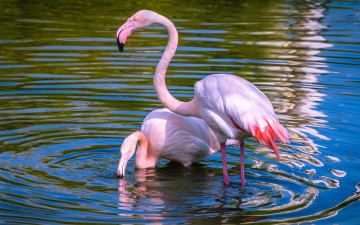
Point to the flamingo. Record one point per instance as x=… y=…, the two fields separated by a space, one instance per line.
x=231 y=106
x=170 y=136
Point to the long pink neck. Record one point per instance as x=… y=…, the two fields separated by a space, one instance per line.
x=144 y=158
x=174 y=105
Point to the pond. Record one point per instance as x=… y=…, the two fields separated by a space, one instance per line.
x=69 y=98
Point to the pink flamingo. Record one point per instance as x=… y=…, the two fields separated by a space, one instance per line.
x=231 y=106
x=170 y=136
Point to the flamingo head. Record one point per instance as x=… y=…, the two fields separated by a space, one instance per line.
x=127 y=151
x=139 y=20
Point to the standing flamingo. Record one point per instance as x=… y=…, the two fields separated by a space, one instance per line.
x=231 y=106
x=183 y=139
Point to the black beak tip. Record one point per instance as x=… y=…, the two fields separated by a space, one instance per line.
x=121 y=47
x=120 y=176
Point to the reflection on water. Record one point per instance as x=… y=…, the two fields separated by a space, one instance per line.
x=171 y=186
x=68 y=99
x=304 y=62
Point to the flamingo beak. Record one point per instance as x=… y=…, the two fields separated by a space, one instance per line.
x=120 y=173
x=120 y=45
x=122 y=166
x=123 y=32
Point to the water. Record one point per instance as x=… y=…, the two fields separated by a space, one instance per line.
x=68 y=98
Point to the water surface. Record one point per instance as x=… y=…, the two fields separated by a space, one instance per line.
x=68 y=98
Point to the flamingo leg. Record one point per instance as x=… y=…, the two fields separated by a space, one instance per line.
x=242 y=149
x=224 y=163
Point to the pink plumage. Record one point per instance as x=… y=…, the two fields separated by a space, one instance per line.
x=236 y=108
x=272 y=131
x=164 y=134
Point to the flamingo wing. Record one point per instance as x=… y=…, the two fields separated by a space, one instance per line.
x=178 y=138
x=236 y=107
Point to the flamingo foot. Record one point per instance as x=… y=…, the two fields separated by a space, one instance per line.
x=242 y=149
x=224 y=163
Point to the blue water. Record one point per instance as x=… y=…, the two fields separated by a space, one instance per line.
x=68 y=98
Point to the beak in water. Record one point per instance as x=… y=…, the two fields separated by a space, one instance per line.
x=121 y=171
x=122 y=166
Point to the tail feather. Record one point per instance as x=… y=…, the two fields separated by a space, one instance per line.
x=268 y=135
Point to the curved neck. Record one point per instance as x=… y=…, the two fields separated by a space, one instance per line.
x=143 y=158
x=174 y=105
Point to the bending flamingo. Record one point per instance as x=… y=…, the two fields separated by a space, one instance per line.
x=231 y=106
x=170 y=136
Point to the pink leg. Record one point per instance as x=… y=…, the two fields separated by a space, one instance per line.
x=224 y=163
x=242 y=149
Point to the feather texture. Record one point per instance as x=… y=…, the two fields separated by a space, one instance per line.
x=235 y=108
x=270 y=133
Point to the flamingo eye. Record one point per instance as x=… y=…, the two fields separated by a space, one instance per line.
x=135 y=18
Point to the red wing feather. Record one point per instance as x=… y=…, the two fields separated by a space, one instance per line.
x=270 y=133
